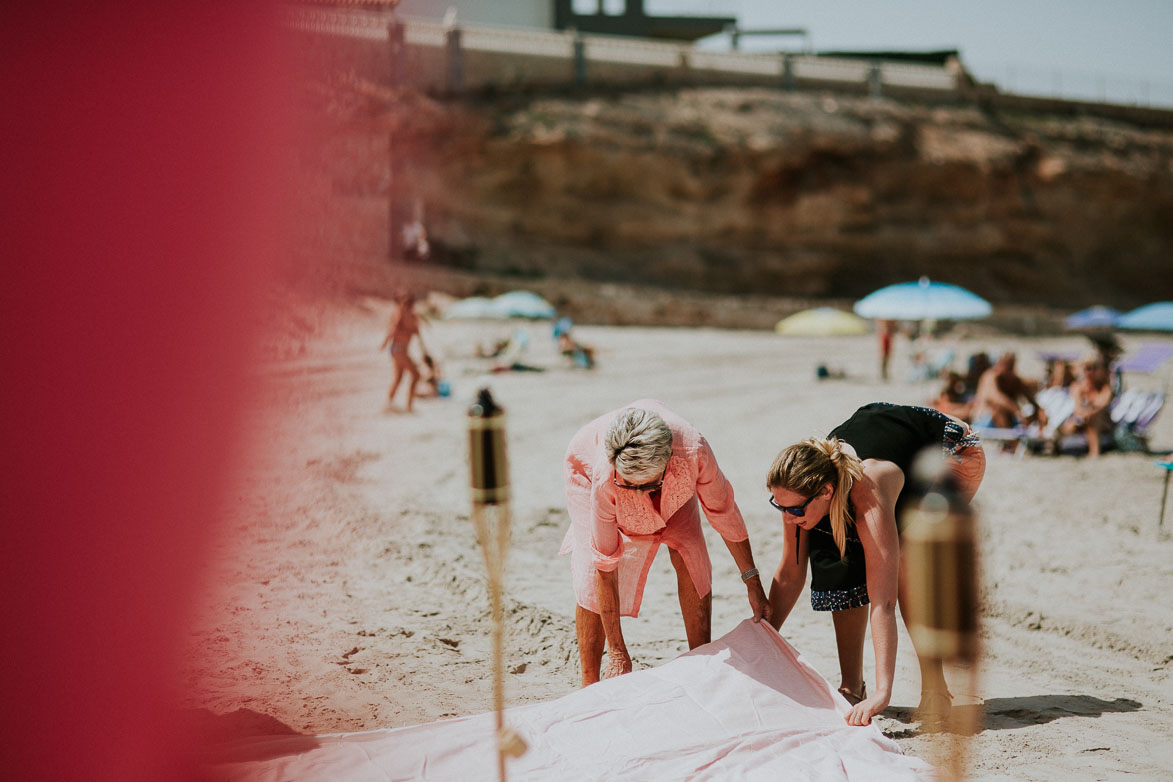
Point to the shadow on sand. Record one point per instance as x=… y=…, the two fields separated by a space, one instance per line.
x=1010 y=713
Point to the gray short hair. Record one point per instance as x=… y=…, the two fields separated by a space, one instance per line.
x=639 y=444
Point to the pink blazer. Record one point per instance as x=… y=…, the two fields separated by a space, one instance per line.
x=692 y=470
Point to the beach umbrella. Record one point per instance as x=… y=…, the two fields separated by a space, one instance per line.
x=922 y=300
x=523 y=304
x=1151 y=317
x=1092 y=318
x=473 y=308
x=822 y=322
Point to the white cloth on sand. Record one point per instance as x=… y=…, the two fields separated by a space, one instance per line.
x=745 y=707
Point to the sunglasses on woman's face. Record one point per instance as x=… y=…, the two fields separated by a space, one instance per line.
x=794 y=510
x=653 y=486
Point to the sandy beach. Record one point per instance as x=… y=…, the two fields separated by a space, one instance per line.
x=347 y=591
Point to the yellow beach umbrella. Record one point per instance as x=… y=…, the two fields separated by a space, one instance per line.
x=822 y=322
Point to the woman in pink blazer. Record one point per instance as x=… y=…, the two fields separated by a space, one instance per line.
x=635 y=478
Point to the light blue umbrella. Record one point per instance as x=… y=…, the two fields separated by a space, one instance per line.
x=523 y=304
x=473 y=308
x=1092 y=318
x=922 y=300
x=1151 y=317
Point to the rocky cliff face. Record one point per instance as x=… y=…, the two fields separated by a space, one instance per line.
x=756 y=191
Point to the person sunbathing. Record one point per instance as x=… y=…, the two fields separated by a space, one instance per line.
x=951 y=399
x=999 y=392
x=580 y=355
x=1059 y=374
x=1092 y=395
x=434 y=383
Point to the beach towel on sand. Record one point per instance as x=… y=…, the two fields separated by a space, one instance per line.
x=745 y=707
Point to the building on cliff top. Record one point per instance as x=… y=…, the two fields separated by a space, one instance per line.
x=633 y=20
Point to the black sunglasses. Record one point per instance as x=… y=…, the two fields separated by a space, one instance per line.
x=794 y=510
x=653 y=486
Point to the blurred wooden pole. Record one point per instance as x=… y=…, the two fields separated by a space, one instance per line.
x=941 y=574
x=489 y=471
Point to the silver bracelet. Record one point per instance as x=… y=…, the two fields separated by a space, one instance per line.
x=747 y=575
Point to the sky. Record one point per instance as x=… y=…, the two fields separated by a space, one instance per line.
x=1086 y=49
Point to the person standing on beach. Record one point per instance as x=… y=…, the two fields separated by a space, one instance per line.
x=635 y=478
x=405 y=324
x=884 y=334
x=843 y=496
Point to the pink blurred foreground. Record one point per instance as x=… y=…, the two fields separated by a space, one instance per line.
x=746 y=707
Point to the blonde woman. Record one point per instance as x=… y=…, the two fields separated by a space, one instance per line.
x=637 y=478
x=843 y=497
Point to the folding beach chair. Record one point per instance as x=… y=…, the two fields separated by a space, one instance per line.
x=1132 y=413
x=1012 y=438
x=1147 y=359
x=1057 y=405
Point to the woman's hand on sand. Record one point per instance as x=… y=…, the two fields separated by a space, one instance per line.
x=862 y=712
x=618 y=663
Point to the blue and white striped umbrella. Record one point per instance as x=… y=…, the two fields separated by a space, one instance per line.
x=922 y=300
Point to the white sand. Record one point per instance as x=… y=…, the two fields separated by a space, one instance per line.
x=348 y=593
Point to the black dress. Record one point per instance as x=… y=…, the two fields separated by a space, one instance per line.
x=892 y=433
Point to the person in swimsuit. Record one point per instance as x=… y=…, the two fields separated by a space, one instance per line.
x=844 y=496
x=1092 y=394
x=999 y=392
x=405 y=324
x=636 y=478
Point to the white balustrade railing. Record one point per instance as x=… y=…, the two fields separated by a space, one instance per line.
x=513 y=40
x=736 y=62
x=617 y=50
x=632 y=51
x=924 y=77
x=831 y=69
x=424 y=33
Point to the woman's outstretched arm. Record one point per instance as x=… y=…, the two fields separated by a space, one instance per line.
x=874 y=498
x=790 y=577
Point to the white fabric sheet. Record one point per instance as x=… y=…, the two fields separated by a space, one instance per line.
x=745 y=707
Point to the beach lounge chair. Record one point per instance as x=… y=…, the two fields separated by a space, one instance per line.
x=1132 y=413
x=1012 y=439
x=1055 y=402
x=1147 y=359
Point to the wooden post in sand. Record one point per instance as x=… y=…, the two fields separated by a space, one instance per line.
x=489 y=470
x=940 y=571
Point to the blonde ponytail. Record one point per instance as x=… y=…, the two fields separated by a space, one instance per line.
x=807 y=466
